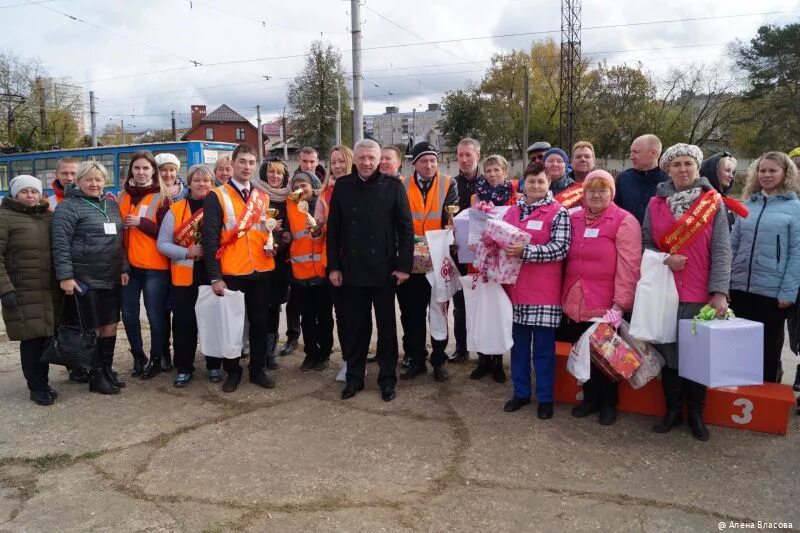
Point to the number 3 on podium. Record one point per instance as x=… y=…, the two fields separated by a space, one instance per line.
x=747 y=411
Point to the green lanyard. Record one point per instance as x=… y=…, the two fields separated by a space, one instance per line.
x=104 y=210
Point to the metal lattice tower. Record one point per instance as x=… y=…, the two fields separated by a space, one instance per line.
x=570 y=71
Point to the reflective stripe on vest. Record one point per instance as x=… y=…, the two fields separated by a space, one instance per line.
x=306 y=253
x=140 y=247
x=425 y=220
x=181 y=270
x=243 y=255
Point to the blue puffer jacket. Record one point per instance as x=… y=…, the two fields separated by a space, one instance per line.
x=766 y=247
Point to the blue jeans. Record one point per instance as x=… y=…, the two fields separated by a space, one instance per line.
x=154 y=285
x=539 y=341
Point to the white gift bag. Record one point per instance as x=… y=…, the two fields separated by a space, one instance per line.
x=489 y=316
x=579 y=362
x=445 y=281
x=220 y=322
x=655 y=306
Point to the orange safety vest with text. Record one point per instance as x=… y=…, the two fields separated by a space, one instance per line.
x=307 y=253
x=140 y=247
x=243 y=255
x=427 y=215
x=182 y=270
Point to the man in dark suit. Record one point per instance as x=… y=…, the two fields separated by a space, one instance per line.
x=370 y=247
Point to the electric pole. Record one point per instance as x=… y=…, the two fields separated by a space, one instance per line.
x=358 y=109
x=122 y=129
x=260 y=138
x=42 y=107
x=338 y=117
x=283 y=136
x=527 y=107
x=570 y=70
x=174 y=130
x=92 y=119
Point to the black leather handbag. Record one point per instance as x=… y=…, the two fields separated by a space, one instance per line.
x=73 y=346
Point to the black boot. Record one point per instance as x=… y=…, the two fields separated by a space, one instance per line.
x=78 y=375
x=696 y=398
x=153 y=367
x=498 y=372
x=139 y=362
x=272 y=358
x=289 y=347
x=166 y=362
x=483 y=368
x=673 y=388
x=796 y=386
x=98 y=380
x=107 y=345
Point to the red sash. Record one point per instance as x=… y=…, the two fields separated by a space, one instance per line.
x=736 y=206
x=687 y=228
x=571 y=196
x=253 y=210
x=189 y=232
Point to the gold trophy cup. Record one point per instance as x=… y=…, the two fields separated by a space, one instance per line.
x=451 y=213
x=302 y=206
x=295 y=196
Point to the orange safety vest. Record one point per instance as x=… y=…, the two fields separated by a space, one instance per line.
x=307 y=254
x=140 y=247
x=243 y=255
x=182 y=270
x=427 y=215
x=53 y=201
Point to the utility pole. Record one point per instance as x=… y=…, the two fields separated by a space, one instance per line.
x=283 y=136
x=260 y=137
x=358 y=104
x=42 y=107
x=526 y=106
x=174 y=130
x=570 y=70
x=92 y=118
x=122 y=125
x=338 y=117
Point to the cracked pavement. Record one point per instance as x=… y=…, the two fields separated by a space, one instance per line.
x=297 y=458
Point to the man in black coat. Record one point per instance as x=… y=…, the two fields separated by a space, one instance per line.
x=370 y=247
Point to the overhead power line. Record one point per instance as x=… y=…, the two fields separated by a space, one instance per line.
x=445 y=41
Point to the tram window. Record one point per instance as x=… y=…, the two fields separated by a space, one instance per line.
x=46 y=171
x=21 y=166
x=4 y=176
x=107 y=160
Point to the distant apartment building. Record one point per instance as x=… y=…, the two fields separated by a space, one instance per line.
x=396 y=128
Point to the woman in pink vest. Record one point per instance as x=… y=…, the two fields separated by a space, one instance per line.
x=700 y=259
x=536 y=296
x=601 y=274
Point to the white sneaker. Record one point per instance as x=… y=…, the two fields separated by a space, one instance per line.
x=341 y=377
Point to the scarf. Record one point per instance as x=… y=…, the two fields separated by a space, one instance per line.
x=275 y=195
x=682 y=201
x=526 y=209
x=499 y=195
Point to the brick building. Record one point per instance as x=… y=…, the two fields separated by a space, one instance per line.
x=221 y=125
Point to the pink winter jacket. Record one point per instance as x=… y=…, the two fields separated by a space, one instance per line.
x=603 y=270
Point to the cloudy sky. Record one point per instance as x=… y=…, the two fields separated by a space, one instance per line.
x=140 y=60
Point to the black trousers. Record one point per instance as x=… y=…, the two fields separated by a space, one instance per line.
x=34 y=371
x=460 y=316
x=316 y=319
x=339 y=309
x=293 y=309
x=256 y=298
x=278 y=295
x=184 y=326
x=600 y=389
x=357 y=304
x=765 y=310
x=414 y=297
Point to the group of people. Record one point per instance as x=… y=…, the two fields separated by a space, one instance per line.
x=335 y=246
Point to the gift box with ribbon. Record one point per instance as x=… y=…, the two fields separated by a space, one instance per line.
x=491 y=259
